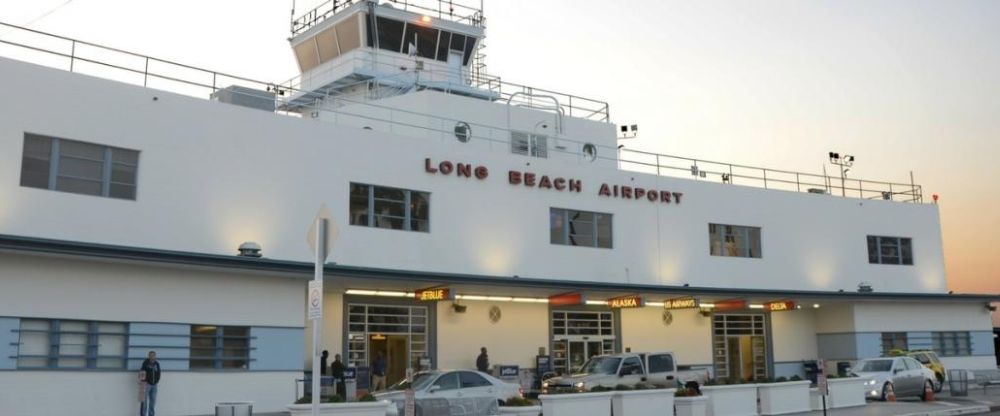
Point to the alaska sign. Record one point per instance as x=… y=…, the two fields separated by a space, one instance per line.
x=554 y=183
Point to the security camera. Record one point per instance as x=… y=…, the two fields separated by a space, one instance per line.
x=458 y=308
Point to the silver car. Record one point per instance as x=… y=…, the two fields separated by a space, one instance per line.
x=903 y=376
x=452 y=393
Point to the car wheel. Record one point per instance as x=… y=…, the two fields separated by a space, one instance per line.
x=927 y=386
x=886 y=389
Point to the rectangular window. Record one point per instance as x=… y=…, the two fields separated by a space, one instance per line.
x=951 y=344
x=219 y=347
x=384 y=207
x=734 y=241
x=68 y=344
x=893 y=341
x=890 y=250
x=580 y=228
x=528 y=144
x=78 y=167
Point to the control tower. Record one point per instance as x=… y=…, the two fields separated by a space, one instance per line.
x=361 y=50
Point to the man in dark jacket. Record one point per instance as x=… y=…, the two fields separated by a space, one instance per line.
x=323 y=362
x=337 y=370
x=483 y=361
x=149 y=377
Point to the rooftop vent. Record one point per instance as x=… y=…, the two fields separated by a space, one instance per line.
x=245 y=97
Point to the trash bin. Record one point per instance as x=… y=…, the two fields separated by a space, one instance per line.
x=811 y=368
x=958 y=382
x=234 y=409
x=842 y=368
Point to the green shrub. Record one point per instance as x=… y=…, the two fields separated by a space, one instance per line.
x=622 y=387
x=518 y=402
x=685 y=392
x=368 y=398
x=600 y=389
x=323 y=399
x=795 y=378
x=781 y=379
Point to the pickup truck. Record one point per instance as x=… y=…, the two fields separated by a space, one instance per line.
x=628 y=369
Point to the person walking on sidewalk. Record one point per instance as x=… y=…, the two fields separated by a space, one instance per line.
x=149 y=378
x=483 y=361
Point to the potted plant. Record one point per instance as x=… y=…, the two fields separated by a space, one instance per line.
x=782 y=396
x=689 y=402
x=735 y=398
x=335 y=405
x=643 y=399
x=596 y=402
x=520 y=406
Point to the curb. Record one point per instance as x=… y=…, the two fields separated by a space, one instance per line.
x=971 y=410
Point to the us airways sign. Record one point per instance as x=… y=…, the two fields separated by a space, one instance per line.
x=552 y=183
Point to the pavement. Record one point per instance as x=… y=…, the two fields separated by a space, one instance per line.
x=976 y=403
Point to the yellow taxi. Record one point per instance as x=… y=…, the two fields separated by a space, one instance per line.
x=930 y=360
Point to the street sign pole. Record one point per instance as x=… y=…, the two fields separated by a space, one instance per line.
x=321 y=251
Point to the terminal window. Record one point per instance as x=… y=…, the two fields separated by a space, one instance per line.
x=219 y=347
x=890 y=250
x=952 y=344
x=579 y=228
x=70 y=344
x=734 y=241
x=78 y=167
x=392 y=208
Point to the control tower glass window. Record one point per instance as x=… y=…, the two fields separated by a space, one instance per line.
x=424 y=39
x=390 y=34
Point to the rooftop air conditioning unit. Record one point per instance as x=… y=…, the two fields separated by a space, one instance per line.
x=245 y=97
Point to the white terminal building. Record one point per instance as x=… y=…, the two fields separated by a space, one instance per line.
x=129 y=184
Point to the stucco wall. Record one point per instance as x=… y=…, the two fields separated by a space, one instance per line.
x=45 y=393
x=793 y=335
x=248 y=166
x=924 y=316
x=689 y=336
x=515 y=339
x=62 y=288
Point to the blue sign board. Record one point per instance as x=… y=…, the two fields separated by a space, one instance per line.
x=509 y=371
x=364 y=377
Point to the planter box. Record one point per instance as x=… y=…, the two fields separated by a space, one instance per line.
x=653 y=402
x=342 y=409
x=846 y=392
x=734 y=400
x=575 y=404
x=521 y=410
x=783 y=398
x=690 y=406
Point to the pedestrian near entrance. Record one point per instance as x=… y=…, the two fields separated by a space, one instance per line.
x=378 y=372
x=323 y=362
x=149 y=378
x=483 y=361
x=337 y=370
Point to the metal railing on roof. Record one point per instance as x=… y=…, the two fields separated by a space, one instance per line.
x=386 y=62
x=442 y=9
x=123 y=66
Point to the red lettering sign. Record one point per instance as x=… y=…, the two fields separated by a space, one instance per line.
x=779 y=306
x=730 y=305
x=623 y=302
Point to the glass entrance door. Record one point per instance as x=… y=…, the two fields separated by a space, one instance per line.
x=739 y=346
x=579 y=335
x=398 y=332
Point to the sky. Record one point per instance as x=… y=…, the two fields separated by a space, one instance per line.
x=903 y=85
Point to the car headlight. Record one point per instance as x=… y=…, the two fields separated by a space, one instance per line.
x=545 y=384
x=871 y=382
x=580 y=385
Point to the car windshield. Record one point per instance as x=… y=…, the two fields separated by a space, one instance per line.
x=922 y=358
x=420 y=381
x=601 y=365
x=874 y=366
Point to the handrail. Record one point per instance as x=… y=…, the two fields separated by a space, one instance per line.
x=465 y=14
x=499 y=136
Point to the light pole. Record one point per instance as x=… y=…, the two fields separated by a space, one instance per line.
x=845 y=162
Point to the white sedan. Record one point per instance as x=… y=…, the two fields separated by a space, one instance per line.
x=452 y=393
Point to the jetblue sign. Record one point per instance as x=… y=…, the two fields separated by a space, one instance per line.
x=508 y=371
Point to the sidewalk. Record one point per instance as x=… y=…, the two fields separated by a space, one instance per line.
x=944 y=405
